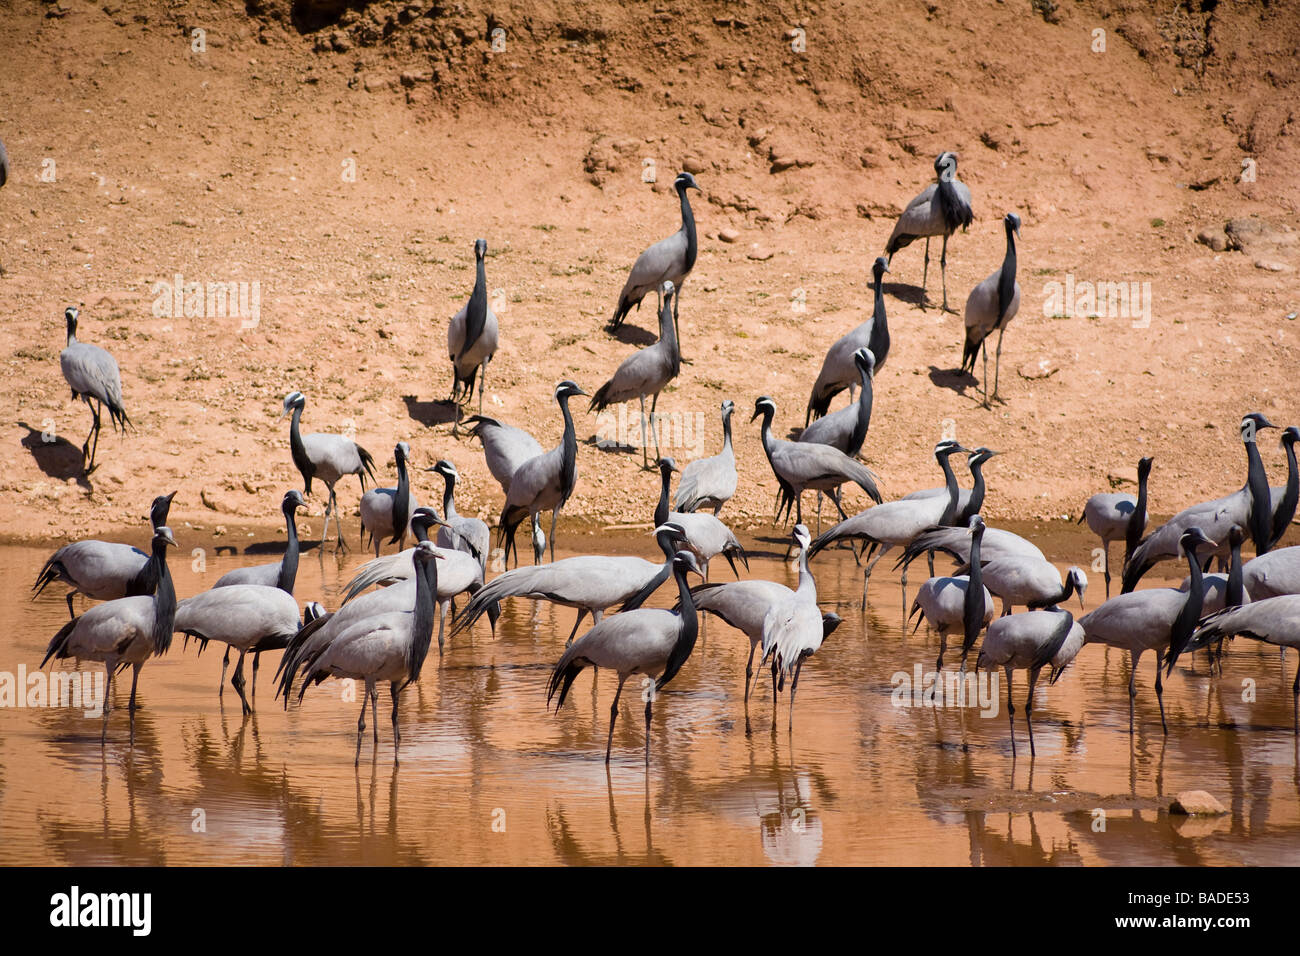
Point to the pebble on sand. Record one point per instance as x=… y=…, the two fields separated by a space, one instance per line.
x=1197 y=803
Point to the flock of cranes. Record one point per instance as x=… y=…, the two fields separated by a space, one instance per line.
x=383 y=629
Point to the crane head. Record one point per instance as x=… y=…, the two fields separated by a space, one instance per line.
x=686 y=181
x=293 y=400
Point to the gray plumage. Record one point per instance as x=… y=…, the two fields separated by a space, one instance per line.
x=1274 y=620
x=1032 y=582
x=990 y=306
x=589 y=583
x=472 y=336
x=846 y=429
x=648 y=641
x=1272 y=575
x=705 y=535
x=386 y=512
x=470 y=535
x=939 y=210
x=458 y=573
x=94 y=377
x=710 y=482
x=545 y=482
x=505 y=448
x=245 y=617
x=801 y=467
x=1030 y=641
x=1156 y=619
x=281 y=574
x=4 y=164
x=326 y=457
x=956 y=542
x=387 y=646
x=897 y=523
x=128 y=631
x=839 y=369
x=941 y=602
x=646 y=372
x=669 y=260
x=1215 y=518
x=1116 y=515
x=970 y=501
x=792 y=629
x=104 y=570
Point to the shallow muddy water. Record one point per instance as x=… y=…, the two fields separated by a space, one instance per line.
x=489 y=776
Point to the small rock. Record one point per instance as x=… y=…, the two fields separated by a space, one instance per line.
x=374 y=83
x=340 y=41
x=1213 y=237
x=1040 y=369
x=863 y=211
x=729 y=234
x=218 y=531
x=1197 y=803
x=208 y=500
x=1271 y=265
x=694 y=165
x=759 y=254
x=249 y=487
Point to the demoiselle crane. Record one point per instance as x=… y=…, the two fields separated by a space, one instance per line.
x=990 y=307
x=938 y=210
x=839 y=369
x=710 y=482
x=386 y=512
x=94 y=377
x=472 y=337
x=325 y=457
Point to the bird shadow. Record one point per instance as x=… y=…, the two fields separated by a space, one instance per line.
x=430 y=414
x=55 y=455
x=634 y=335
x=905 y=292
x=955 y=379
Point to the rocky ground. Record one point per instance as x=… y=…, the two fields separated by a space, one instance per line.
x=345 y=157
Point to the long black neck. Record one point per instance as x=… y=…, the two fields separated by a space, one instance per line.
x=973 y=602
x=426 y=587
x=954 y=492
x=568 y=453
x=1066 y=590
x=420 y=528
x=1137 y=521
x=688 y=227
x=668 y=335
x=661 y=509
x=164 y=600
x=726 y=431
x=476 y=311
x=1185 y=623
x=401 y=500
x=878 y=340
x=289 y=564
x=72 y=331
x=1234 y=594
x=863 y=422
x=299 y=450
x=976 y=504
x=1261 y=503
x=1290 y=496
x=688 y=630
x=449 y=497
x=1007 y=276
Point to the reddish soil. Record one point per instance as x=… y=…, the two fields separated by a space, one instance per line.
x=229 y=164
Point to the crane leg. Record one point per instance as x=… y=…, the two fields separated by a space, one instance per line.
x=338 y=521
x=373 y=691
x=613 y=716
x=1132 y=687
x=237 y=682
x=774 y=689
x=555 y=514
x=1295 y=703
x=582 y=612
x=794 y=685
x=1011 y=711
x=943 y=273
x=749 y=672
x=984 y=385
x=1106 y=548
x=943 y=649
x=130 y=707
x=257 y=662
x=649 y=704
x=361 y=726
x=866 y=572
x=645 y=464
x=997 y=366
x=108 y=700
x=394 y=688
x=925 y=272
x=221 y=685
x=329 y=511
x=1160 y=692
x=442 y=622
x=654 y=429
x=1029 y=709
x=482 y=383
